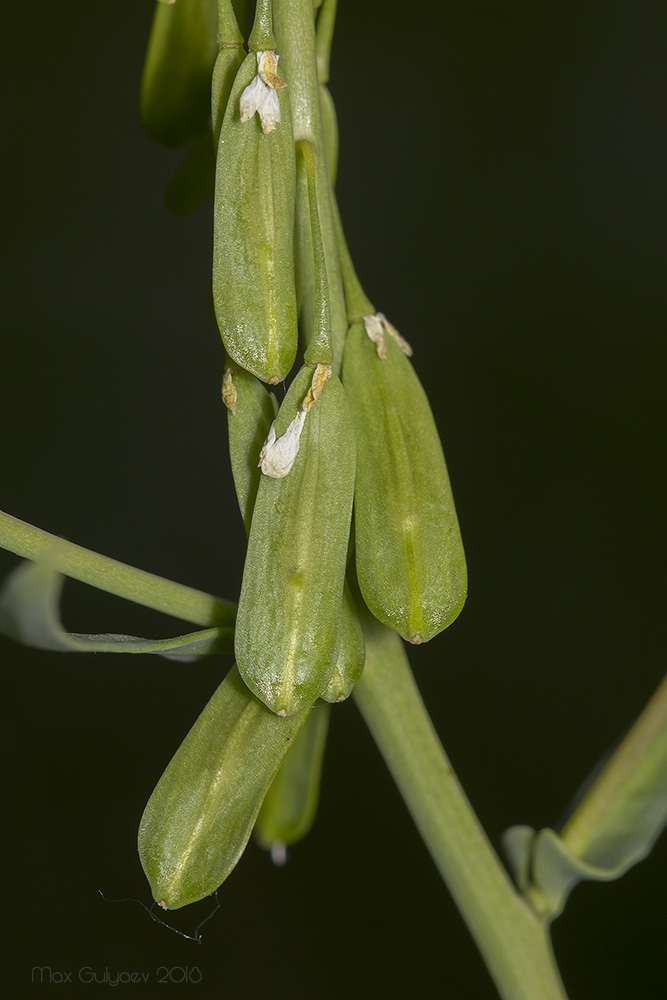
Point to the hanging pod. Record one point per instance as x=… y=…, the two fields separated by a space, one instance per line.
x=202 y=811
x=289 y=807
x=351 y=652
x=227 y=64
x=288 y=623
x=253 y=269
x=409 y=554
x=250 y=412
x=175 y=101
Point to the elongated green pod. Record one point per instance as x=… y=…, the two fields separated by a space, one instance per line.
x=351 y=652
x=227 y=64
x=304 y=261
x=253 y=271
x=329 y=133
x=250 y=412
x=289 y=807
x=202 y=811
x=288 y=622
x=409 y=554
x=174 y=103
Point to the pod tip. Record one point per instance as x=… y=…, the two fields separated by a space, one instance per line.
x=416 y=640
x=279 y=853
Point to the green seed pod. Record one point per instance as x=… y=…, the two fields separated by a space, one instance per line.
x=253 y=271
x=228 y=62
x=202 y=811
x=250 y=412
x=175 y=101
x=409 y=554
x=351 y=653
x=290 y=805
x=287 y=628
x=329 y=133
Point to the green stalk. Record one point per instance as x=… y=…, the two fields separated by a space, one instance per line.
x=514 y=943
x=114 y=577
x=261 y=36
x=295 y=31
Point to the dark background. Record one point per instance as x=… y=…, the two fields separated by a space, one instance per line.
x=502 y=180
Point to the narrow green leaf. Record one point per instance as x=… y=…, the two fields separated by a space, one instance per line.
x=201 y=814
x=29 y=601
x=615 y=822
x=114 y=577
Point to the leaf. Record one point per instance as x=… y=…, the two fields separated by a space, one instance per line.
x=614 y=825
x=29 y=614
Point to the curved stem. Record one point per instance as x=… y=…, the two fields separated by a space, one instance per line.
x=114 y=577
x=513 y=941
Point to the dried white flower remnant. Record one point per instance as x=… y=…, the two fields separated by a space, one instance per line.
x=279 y=454
x=260 y=96
x=401 y=341
x=320 y=376
x=376 y=326
x=376 y=334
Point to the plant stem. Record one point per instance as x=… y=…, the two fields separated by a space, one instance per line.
x=295 y=30
x=513 y=941
x=114 y=577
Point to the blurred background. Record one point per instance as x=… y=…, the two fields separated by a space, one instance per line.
x=502 y=182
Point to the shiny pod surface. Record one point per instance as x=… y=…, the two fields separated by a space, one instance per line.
x=253 y=270
x=409 y=554
x=288 y=623
x=202 y=811
x=175 y=101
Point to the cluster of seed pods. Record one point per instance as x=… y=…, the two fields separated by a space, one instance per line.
x=342 y=486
